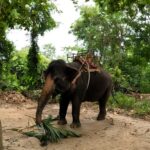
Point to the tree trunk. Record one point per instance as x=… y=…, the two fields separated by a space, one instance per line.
x=1 y=139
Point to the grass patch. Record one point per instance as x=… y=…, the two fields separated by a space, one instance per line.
x=142 y=108
x=122 y=101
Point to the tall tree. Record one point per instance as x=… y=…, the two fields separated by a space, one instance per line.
x=99 y=31
x=32 y=15
x=121 y=36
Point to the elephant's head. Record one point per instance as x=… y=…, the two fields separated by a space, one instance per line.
x=58 y=78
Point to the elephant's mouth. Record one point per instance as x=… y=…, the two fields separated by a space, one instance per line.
x=59 y=90
x=61 y=86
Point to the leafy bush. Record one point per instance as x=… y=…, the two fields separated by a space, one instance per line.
x=142 y=108
x=122 y=101
x=120 y=81
x=10 y=82
x=139 y=107
x=15 y=72
x=6 y=48
x=145 y=80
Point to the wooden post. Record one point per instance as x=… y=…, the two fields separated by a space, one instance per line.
x=1 y=139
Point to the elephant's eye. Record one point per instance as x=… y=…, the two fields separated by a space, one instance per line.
x=56 y=80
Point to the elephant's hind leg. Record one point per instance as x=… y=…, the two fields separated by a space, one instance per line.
x=102 y=105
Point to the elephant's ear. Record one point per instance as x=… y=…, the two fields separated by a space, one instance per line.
x=70 y=72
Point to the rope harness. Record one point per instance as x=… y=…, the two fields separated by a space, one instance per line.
x=85 y=67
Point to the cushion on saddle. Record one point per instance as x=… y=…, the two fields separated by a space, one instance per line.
x=87 y=65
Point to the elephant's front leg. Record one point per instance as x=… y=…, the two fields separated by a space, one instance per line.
x=76 y=113
x=64 y=102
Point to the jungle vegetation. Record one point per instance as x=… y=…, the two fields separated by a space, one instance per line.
x=119 y=30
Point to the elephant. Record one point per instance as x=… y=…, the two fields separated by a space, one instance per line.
x=74 y=86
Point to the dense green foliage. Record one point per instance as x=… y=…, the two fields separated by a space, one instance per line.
x=15 y=74
x=27 y=14
x=128 y=5
x=122 y=37
x=32 y=15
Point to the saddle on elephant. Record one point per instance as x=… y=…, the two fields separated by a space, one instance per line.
x=87 y=62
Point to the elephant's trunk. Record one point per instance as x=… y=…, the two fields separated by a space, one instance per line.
x=46 y=92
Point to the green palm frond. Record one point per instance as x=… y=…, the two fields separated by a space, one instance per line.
x=50 y=133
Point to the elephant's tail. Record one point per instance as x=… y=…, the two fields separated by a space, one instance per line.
x=113 y=95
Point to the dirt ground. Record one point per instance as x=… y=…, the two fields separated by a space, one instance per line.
x=117 y=132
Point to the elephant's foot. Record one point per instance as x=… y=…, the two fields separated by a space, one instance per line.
x=62 y=121
x=44 y=142
x=75 y=125
x=101 y=117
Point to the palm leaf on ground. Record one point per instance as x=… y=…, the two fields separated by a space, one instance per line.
x=51 y=133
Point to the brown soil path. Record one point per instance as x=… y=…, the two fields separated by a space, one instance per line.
x=117 y=132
